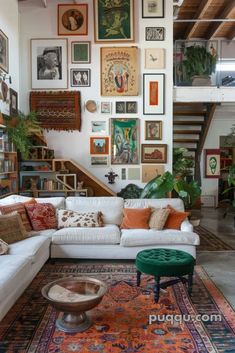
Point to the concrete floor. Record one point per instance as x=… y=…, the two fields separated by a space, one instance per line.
x=220 y=265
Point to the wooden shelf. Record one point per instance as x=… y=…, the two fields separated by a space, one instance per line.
x=36 y=160
x=3 y=173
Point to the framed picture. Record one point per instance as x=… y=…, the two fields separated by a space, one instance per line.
x=119 y=71
x=72 y=19
x=153 y=153
x=154 y=58
x=4 y=52
x=98 y=127
x=80 y=52
x=49 y=63
x=131 y=107
x=154 y=94
x=212 y=163
x=106 y=107
x=154 y=33
x=99 y=161
x=120 y=107
x=151 y=171
x=125 y=141
x=114 y=23
x=80 y=77
x=153 y=130
x=13 y=103
x=99 y=145
x=152 y=8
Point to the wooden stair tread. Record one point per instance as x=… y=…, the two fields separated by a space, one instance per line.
x=186 y=140
x=187 y=132
x=188 y=122
x=189 y=113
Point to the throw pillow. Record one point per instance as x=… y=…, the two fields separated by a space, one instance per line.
x=136 y=218
x=158 y=218
x=12 y=228
x=42 y=216
x=3 y=247
x=20 y=208
x=175 y=218
x=67 y=218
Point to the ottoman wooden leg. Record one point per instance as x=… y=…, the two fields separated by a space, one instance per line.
x=190 y=284
x=138 y=278
x=157 y=289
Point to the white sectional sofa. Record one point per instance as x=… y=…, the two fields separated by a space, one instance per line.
x=25 y=258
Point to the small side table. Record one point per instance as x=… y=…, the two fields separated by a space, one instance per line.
x=165 y=263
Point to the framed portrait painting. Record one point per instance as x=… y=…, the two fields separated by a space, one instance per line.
x=99 y=145
x=114 y=21
x=4 y=52
x=154 y=94
x=125 y=141
x=80 y=77
x=152 y=8
x=72 y=19
x=81 y=52
x=49 y=63
x=13 y=103
x=212 y=163
x=153 y=153
x=153 y=130
x=119 y=71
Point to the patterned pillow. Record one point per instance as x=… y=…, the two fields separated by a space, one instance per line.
x=158 y=218
x=12 y=228
x=42 y=216
x=20 y=208
x=67 y=218
x=3 y=247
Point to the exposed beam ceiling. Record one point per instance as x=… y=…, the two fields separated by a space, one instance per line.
x=214 y=28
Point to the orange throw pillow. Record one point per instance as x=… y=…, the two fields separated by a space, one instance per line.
x=175 y=218
x=136 y=218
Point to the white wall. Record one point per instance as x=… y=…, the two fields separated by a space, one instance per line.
x=9 y=24
x=39 y=22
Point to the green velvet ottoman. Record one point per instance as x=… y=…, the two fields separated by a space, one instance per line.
x=165 y=263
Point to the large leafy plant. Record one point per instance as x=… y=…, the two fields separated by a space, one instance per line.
x=231 y=181
x=182 y=165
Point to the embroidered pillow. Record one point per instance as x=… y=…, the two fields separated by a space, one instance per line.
x=136 y=218
x=158 y=218
x=175 y=218
x=3 y=247
x=67 y=218
x=42 y=216
x=20 y=208
x=12 y=228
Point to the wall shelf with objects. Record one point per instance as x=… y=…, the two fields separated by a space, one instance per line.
x=8 y=165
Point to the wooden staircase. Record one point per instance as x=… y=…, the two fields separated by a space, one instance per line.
x=190 y=127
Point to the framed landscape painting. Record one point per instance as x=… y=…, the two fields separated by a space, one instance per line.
x=125 y=141
x=4 y=52
x=153 y=153
x=154 y=94
x=81 y=52
x=114 y=21
x=119 y=71
x=72 y=19
x=99 y=145
x=49 y=63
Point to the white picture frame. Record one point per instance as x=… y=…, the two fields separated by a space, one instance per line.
x=99 y=127
x=106 y=107
x=154 y=58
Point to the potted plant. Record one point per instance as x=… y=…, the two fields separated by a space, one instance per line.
x=198 y=65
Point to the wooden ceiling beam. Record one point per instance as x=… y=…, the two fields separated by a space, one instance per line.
x=215 y=27
x=231 y=34
x=198 y=15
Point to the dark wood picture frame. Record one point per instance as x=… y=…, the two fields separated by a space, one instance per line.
x=153 y=130
x=78 y=25
x=155 y=155
x=13 y=102
x=4 y=53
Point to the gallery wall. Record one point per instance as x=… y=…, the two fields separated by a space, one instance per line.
x=39 y=22
x=9 y=24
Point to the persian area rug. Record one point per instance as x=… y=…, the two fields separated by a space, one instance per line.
x=209 y=241
x=121 y=323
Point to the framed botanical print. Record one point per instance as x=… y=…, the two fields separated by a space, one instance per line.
x=13 y=103
x=114 y=21
x=152 y=8
x=72 y=19
x=154 y=94
x=80 y=52
x=154 y=58
x=99 y=145
x=212 y=163
x=154 y=33
x=153 y=130
x=153 y=153
x=4 y=52
x=49 y=63
x=80 y=77
x=125 y=141
x=119 y=71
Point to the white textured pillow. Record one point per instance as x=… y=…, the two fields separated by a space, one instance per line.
x=67 y=218
x=3 y=247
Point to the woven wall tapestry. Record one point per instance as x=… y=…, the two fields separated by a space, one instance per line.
x=57 y=110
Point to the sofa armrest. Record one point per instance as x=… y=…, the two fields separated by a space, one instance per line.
x=186 y=226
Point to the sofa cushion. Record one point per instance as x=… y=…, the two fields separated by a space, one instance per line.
x=158 y=218
x=42 y=216
x=3 y=247
x=109 y=234
x=111 y=207
x=157 y=203
x=20 y=208
x=57 y=202
x=12 y=228
x=44 y=233
x=175 y=218
x=135 y=218
x=67 y=218
x=141 y=237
